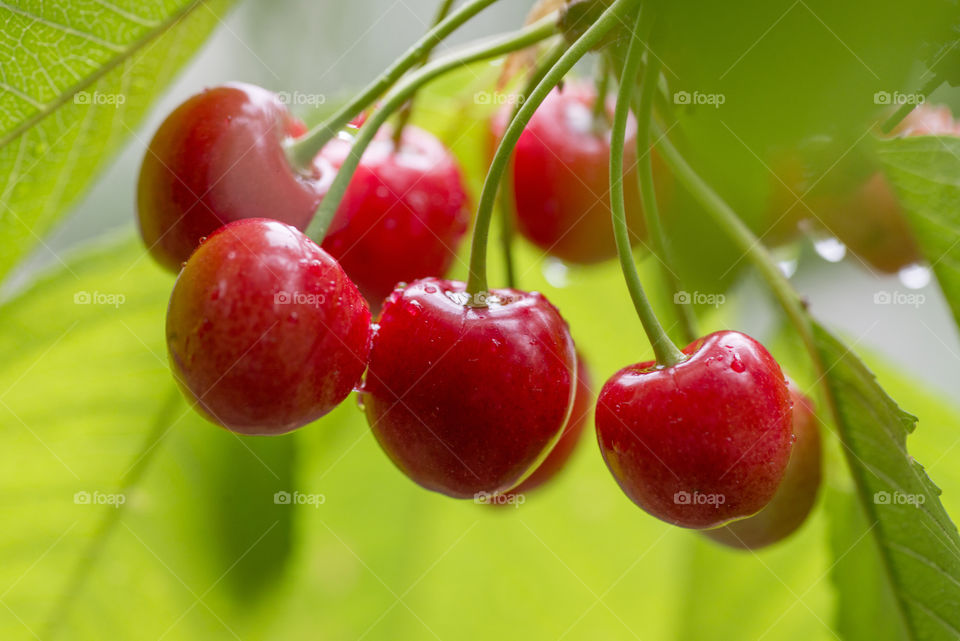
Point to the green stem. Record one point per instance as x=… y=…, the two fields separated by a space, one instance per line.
x=648 y=197
x=304 y=150
x=507 y=230
x=747 y=242
x=611 y=18
x=665 y=351
x=521 y=39
x=928 y=88
x=407 y=110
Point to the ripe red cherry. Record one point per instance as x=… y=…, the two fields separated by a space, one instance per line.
x=218 y=158
x=561 y=452
x=561 y=177
x=265 y=331
x=703 y=442
x=468 y=399
x=797 y=492
x=403 y=215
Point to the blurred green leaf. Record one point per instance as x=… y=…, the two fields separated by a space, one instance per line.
x=90 y=417
x=866 y=605
x=925 y=171
x=919 y=545
x=77 y=78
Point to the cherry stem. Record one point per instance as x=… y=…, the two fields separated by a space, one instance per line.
x=904 y=110
x=507 y=230
x=648 y=196
x=407 y=110
x=508 y=43
x=746 y=240
x=611 y=18
x=665 y=351
x=302 y=151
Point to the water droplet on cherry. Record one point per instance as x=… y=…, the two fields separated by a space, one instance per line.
x=737 y=365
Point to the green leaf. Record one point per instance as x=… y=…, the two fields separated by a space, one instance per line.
x=77 y=79
x=919 y=545
x=925 y=171
x=88 y=406
x=866 y=605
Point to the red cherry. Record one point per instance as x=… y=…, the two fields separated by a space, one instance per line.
x=217 y=158
x=702 y=442
x=797 y=492
x=561 y=177
x=468 y=399
x=403 y=215
x=561 y=452
x=265 y=331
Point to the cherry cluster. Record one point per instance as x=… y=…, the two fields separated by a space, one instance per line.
x=467 y=392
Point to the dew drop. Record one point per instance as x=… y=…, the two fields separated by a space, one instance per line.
x=556 y=272
x=203 y=239
x=430 y=289
x=737 y=365
x=414 y=308
x=788 y=267
x=830 y=249
x=359 y=390
x=293 y=317
x=915 y=276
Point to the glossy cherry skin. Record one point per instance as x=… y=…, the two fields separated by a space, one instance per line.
x=703 y=442
x=563 y=450
x=797 y=493
x=561 y=178
x=218 y=158
x=468 y=399
x=403 y=215
x=265 y=331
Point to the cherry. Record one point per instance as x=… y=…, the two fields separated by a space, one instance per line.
x=468 y=399
x=702 y=442
x=561 y=452
x=265 y=331
x=797 y=492
x=561 y=177
x=403 y=215
x=217 y=158
x=868 y=218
